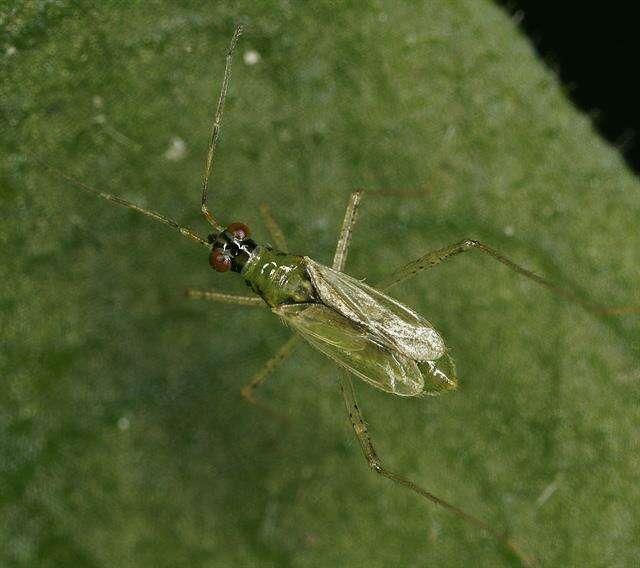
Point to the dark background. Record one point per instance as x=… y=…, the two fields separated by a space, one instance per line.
x=594 y=51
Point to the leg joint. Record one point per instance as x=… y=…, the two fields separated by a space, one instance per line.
x=470 y=243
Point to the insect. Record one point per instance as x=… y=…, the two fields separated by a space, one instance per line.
x=363 y=330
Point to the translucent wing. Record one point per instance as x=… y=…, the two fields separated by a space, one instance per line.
x=439 y=375
x=353 y=347
x=392 y=323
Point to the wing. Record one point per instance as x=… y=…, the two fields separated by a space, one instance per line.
x=394 y=324
x=353 y=347
x=440 y=375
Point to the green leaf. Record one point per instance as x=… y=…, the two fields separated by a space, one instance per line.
x=123 y=438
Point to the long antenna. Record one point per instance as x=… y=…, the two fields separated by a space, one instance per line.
x=215 y=131
x=185 y=231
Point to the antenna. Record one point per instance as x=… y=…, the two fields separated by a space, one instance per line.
x=215 y=131
x=185 y=231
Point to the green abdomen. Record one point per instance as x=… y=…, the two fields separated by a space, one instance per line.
x=278 y=277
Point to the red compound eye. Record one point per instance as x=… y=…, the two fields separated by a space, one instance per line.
x=239 y=230
x=219 y=261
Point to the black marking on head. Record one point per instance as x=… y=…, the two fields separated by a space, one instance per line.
x=238 y=250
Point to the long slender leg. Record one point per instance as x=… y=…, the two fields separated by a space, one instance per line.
x=340 y=256
x=360 y=428
x=274 y=229
x=222 y=298
x=248 y=391
x=215 y=130
x=434 y=258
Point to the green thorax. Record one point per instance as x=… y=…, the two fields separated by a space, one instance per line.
x=279 y=278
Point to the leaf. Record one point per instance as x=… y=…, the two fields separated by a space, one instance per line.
x=123 y=438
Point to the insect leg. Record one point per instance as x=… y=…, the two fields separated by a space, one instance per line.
x=222 y=298
x=340 y=256
x=274 y=229
x=248 y=391
x=215 y=131
x=360 y=428
x=434 y=258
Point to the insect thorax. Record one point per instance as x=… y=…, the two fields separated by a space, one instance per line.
x=279 y=278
